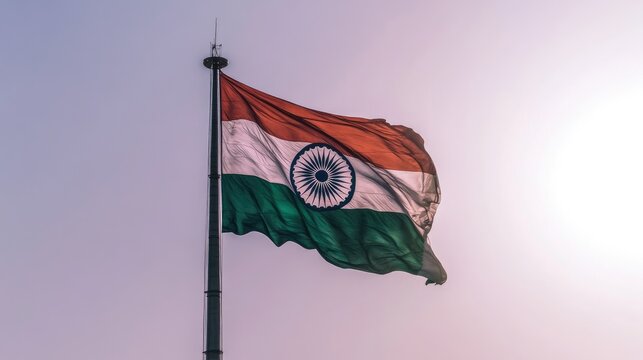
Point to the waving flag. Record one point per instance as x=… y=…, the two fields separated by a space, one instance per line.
x=363 y=193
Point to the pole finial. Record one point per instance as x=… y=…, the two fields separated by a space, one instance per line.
x=215 y=46
x=215 y=62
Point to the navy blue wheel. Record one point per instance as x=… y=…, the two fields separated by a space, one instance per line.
x=322 y=177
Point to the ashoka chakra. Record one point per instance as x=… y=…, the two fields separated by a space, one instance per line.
x=322 y=177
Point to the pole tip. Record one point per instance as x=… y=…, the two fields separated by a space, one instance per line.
x=215 y=62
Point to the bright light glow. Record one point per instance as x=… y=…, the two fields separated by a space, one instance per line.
x=597 y=179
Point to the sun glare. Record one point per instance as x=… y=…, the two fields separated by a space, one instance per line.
x=598 y=175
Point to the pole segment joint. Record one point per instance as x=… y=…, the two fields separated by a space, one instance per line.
x=213 y=351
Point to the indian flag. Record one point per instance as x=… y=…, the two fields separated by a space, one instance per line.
x=363 y=193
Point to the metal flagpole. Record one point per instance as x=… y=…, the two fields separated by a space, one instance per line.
x=212 y=317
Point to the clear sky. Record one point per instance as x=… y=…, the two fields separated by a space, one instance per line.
x=531 y=110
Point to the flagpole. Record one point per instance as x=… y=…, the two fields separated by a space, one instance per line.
x=212 y=315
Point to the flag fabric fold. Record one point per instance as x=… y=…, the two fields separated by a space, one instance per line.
x=362 y=192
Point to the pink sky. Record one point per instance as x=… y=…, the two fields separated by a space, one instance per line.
x=531 y=110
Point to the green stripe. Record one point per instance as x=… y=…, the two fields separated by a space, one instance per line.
x=378 y=242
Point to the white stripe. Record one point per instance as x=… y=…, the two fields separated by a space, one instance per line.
x=248 y=150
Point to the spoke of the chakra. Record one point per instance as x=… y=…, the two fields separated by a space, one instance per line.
x=332 y=190
x=306 y=165
x=307 y=179
x=306 y=175
x=334 y=165
x=327 y=191
x=326 y=157
x=315 y=160
x=331 y=198
x=342 y=175
x=341 y=180
x=320 y=161
x=330 y=160
x=334 y=186
x=308 y=196
x=340 y=169
x=313 y=190
x=310 y=158
x=322 y=196
x=302 y=181
x=321 y=156
x=305 y=170
x=311 y=161
x=329 y=195
x=319 y=192
x=310 y=184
